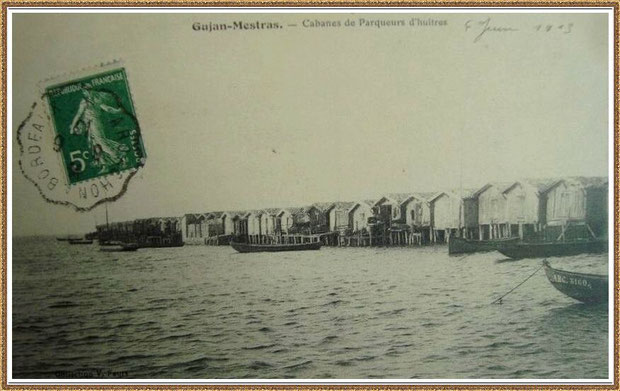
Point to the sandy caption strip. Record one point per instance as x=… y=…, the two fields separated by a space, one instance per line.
x=82 y=143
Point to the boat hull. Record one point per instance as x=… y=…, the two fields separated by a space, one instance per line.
x=521 y=250
x=465 y=246
x=587 y=288
x=260 y=248
x=119 y=247
x=80 y=241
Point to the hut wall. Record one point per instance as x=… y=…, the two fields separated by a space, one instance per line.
x=359 y=217
x=228 y=224
x=521 y=205
x=446 y=212
x=285 y=222
x=338 y=219
x=491 y=206
x=215 y=227
x=318 y=219
x=387 y=210
x=565 y=202
x=416 y=212
x=254 y=224
x=597 y=210
x=470 y=212
x=267 y=224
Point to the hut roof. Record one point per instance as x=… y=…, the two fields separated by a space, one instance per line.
x=545 y=185
x=272 y=211
x=588 y=182
x=499 y=185
x=295 y=211
x=369 y=203
x=341 y=205
x=400 y=198
x=322 y=206
x=540 y=185
x=425 y=196
x=232 y=214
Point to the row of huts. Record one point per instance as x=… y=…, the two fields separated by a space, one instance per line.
x=148 y=232
x=550 y=209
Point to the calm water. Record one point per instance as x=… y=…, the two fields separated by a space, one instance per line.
x=208 y=312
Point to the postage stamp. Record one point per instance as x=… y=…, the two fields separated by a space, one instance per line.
x=96 y=127
x=82 y=142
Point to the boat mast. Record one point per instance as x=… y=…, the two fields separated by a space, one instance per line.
x=461 y=201
x=107 y=222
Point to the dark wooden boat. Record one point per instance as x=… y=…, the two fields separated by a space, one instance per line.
x=466 y=246
x=519 y=250
x=80 y=241
x=259 y=248
x=116 y=247
x=588 y=288
x=161 y=241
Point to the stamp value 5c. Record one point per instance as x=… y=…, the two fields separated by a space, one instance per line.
x=97 y=132
x=82 y=143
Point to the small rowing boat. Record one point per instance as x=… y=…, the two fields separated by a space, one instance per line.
x=116 y=247
x=519 y=250
x=588 y=288
x=80 y=241
x=466 y=246
x=260 y=248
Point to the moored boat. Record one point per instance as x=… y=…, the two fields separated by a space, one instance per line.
x=466 y=246
x=519 y=250
x=588 y=288
x=160 y=241
x=258 y=248
x=80 y=241
x=116 y=247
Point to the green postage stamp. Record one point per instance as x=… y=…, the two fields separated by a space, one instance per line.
x=82 y=143
x=96 y=127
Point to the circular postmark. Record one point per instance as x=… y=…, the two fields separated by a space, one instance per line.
x=81 y=143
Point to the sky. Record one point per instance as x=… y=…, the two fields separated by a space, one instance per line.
x=237 y=120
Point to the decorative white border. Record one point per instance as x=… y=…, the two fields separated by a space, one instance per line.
x=129 y=10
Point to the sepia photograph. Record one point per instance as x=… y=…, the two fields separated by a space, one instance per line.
x=310 y=195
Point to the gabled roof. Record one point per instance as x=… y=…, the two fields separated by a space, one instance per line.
x=448 y=193
x=369 y=203
x=272 y=211
x=424 y=196
x=229 y=213
x=595 y=181
x=322 y=206
x=586 y=182
x=501 y=186
x=539 y=185
x=293 y=211
x=400 y=198
x=340 y=205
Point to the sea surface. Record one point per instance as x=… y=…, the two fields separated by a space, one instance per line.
x=201 y=312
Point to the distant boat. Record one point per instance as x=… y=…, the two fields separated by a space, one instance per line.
x=66 y=238
x=161 y=241
x=588 y=288
x=466 y=246
x=519 y=250
x=118 y=246
x=80 y=241
x=259 y=248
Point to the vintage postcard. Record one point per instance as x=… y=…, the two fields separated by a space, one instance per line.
x=311 y=195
